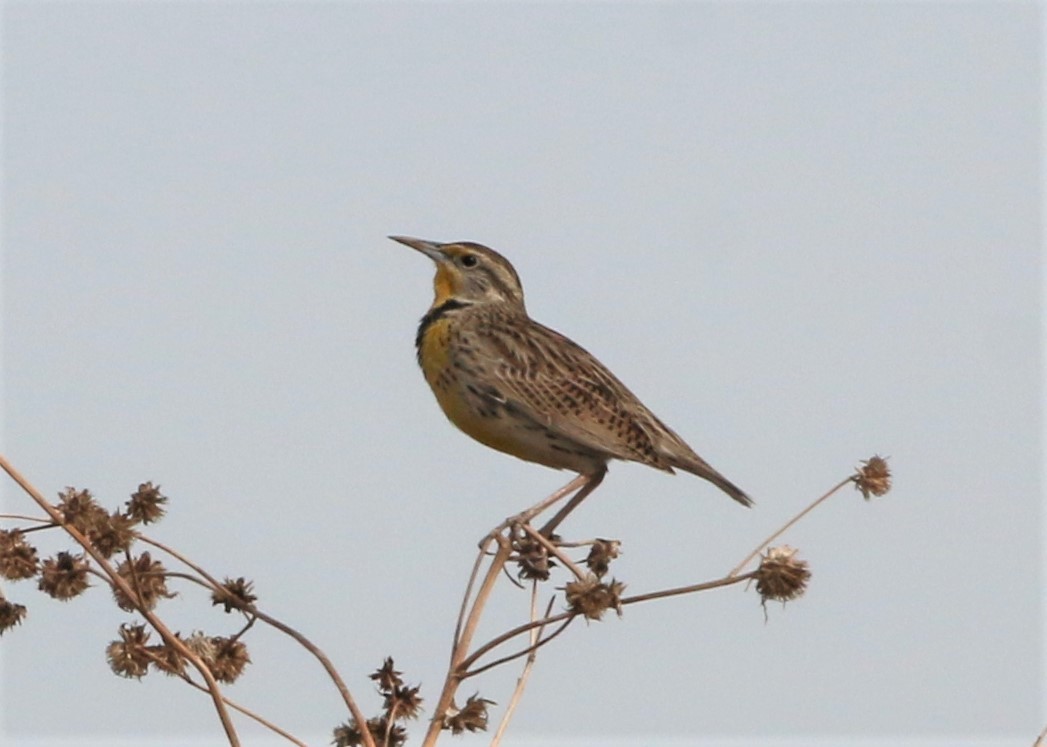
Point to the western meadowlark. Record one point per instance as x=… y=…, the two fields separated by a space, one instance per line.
x=526 y=390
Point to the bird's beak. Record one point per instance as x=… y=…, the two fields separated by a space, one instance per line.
x=431 y=249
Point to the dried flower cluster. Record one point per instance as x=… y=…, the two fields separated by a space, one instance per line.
x=146 y=504
x=229 y=659
x=109 y=533
x=18 y=558
x=400 y=702
x=147 y=578
x=532 y=558
x=131 y=655
x=235 y=594
x=873 y=477
x=64 y=576
x=11 y=614
x=592 y=597
x=781 y=576
x=601 y=554
x=471 y=717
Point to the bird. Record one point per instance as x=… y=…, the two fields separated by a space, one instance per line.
x=524 y=389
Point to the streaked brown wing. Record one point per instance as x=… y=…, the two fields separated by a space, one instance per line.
x=553 y=381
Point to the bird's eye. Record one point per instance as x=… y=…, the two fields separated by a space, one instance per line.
x=470 y=260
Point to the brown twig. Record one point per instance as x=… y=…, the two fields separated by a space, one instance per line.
x=521 y=629
x=567 y=617
x=785 y=527
x=34 y=519
x=1042 y=739
x=521 y=682
x=485 y=544
x=454 y=673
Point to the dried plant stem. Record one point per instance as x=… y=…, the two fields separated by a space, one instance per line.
x=1042 y=739
x=785 y=527
x=484 y=551
x=692 y=589
x=308 y=645
x=23 y=517
x=116 y=580
x=454 y=673
x=521 y=682
x=567 y=618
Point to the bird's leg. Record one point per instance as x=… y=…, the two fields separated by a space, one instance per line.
x=524 y=517
x=591 y=483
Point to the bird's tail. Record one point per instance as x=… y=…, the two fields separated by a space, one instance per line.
x=728 y=487
x=698 y=466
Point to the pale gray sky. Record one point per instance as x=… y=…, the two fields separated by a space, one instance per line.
x=802 y=233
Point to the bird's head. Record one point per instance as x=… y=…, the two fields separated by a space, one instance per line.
x=469 y=273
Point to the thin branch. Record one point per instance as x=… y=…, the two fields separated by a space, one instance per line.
x=23 y=517
x=759 y=548
x=676 y=591
x=521 y=682
x=484 y=545
x=211 y=580
x=570 y=618
x=1042 y=739
x=694 y=588
x=468 y=631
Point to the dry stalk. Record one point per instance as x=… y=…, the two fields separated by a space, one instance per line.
x=521 y=682
x=785 y=527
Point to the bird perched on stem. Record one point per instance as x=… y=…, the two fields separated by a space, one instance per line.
x=526 y=390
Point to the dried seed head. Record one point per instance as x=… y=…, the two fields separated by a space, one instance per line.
x=873 y=477
x=403 y=702
x=532 y=559
x=234 y=594
x=113 y=534
x=386 y=677
x=147 y=578
x=201 y=645
x=147 y=504
x=230 y=658
x=592 y=597
x=79 y=508
x=470 y=717
x=601 y=554
x=64 y=576
x=129 y=656
x=781 y=576
x=349 y=734
x=11 y=614
x=17 y=557
x=168 y=659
